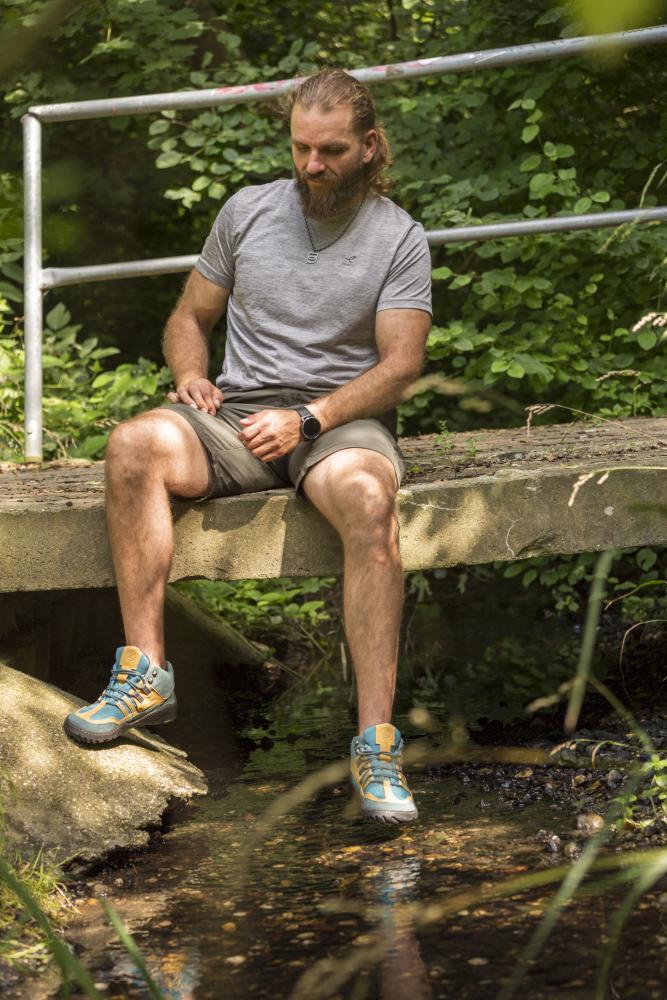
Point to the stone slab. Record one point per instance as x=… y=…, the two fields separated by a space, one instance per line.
x=74 y=801
x=467 y=498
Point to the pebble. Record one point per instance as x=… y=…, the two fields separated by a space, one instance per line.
x=229 y=926
x=235 y=960
x=589 y=823
x=614 y=776
x=478 y=961
x=553 y=843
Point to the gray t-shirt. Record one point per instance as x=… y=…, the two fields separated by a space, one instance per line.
x=309 y=326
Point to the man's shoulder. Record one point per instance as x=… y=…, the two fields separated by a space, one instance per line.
x=253 y=194
x=391 y=215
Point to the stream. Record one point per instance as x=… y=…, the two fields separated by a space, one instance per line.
x=321 y=904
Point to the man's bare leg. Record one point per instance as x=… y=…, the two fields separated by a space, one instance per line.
x=149 y=458
x=355 y=490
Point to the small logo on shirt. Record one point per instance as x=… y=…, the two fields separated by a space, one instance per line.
x=347 y=261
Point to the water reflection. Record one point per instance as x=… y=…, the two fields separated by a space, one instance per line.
x=403 y=973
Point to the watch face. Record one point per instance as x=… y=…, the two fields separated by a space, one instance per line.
x=311 y=428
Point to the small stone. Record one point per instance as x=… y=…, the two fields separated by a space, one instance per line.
x=553 y=843
x=614 y=776
x=229 y=926
x=589 y=823
x=527 y=772
x=235 y=960
x=118 y=881
x=579 y=779
x=478 y=961
x=571 y=850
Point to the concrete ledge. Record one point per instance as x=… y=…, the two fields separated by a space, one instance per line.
x=461 y=507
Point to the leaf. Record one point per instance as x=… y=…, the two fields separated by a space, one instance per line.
x=441 y=272
x=647 y=339
x=582 y=205
x=200 y=183
x=158 y=126
x=516 y=370
x=168 y=159
x=529 y=133
x=530 y=163
x=58 y=317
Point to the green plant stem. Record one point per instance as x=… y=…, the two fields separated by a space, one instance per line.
x=598 y=590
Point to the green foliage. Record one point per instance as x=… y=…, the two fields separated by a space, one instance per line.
x=264 y=608
x=568 y=579
x=82 y=401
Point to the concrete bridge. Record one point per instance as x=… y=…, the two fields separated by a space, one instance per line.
x=467 y=498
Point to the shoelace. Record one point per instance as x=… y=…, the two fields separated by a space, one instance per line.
x=116 y=691
x=379 y=766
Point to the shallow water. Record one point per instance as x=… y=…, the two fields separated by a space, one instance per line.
x=208 y=928
x=317 y=906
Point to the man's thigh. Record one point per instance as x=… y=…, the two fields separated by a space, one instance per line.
x=368 y=434
x=234 y=468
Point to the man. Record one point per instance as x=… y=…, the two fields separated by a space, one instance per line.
x=327 y=289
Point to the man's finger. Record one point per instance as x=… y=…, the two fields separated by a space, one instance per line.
x=183 y=396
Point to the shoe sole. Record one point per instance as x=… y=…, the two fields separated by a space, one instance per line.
x=155 y=717
x=390 y=818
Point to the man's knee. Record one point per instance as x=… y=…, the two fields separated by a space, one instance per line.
x=362 y=486
x=139 y=443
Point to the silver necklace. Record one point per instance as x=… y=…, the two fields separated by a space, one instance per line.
x=315 y=253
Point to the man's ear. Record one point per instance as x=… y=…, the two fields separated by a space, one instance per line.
x=370 y=145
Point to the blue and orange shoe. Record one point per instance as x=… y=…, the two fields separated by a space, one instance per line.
x=138 y=694
x=377 y=774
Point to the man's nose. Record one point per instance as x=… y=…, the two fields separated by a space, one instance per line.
x=314 y=165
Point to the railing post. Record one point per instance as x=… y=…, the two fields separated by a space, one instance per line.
x=33 y=312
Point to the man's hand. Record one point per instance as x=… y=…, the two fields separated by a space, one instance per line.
x=270 y=434
x=198 y=393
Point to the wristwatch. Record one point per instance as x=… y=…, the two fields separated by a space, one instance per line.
x=311 y=428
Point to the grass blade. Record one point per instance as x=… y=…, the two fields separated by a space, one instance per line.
x=598 y=590
x=70 y=966
x=132 y=949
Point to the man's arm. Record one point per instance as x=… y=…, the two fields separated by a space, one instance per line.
x=401 y=339
x=400 y=335
x=185 y=342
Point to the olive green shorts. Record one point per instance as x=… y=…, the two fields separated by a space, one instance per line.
x=236 y=470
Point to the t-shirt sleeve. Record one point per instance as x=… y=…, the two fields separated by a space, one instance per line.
x=216 y=261
x=408 y=283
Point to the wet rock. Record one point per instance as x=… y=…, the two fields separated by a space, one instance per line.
x=75 y=801
x=553 y=843
x=589 y=823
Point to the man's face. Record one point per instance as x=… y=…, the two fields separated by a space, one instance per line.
x=330 y=159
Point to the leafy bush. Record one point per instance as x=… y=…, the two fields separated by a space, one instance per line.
x=82 y=401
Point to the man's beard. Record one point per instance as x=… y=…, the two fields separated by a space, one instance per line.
x=334 y=196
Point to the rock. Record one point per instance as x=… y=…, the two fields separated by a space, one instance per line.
x=614 y=776
x=589 y=823
x=75 y=801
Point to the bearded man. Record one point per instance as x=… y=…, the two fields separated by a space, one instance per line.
x=326 y=283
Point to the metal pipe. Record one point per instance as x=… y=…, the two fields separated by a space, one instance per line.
x=459 y=63
x=32 y=174
x=57 y=277
x=556 y=224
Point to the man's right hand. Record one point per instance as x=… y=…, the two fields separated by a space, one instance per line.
x=198 y=393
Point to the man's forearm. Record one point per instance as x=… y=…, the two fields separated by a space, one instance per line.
x=378 y=390
x=185 y=348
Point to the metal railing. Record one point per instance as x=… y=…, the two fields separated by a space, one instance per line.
x=39 y=279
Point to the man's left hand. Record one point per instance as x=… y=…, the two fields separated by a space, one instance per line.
x=270 y=434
